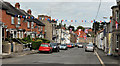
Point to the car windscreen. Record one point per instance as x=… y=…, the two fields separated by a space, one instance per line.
x=44 y=45
x=63 y=44
x=90 y=45
x=53 y=44
x=68 y=44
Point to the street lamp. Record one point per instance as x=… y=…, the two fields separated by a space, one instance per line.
x=61 y=32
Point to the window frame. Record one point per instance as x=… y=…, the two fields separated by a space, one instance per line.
x=12 y=20
x=28 y=24
x=19 y=21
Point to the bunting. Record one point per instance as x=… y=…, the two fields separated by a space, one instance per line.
x=28 y=17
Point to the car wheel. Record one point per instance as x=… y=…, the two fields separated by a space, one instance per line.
x=85 y=50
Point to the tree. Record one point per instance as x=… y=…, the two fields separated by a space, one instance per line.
x=80 y=27
x=96 y=26
x=71 y=27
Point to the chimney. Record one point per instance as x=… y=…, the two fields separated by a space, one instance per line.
x=29 y=11
x=17 y=5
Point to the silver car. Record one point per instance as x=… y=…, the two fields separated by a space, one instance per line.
x=63 y=46
x=89 y=47
x=80 y=46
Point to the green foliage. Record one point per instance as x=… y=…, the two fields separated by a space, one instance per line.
x=27 y=39
x=38 y=41
x=36 y=44
x=73 y=28
x=80 y=27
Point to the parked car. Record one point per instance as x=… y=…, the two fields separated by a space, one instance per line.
x=45 y=47
x=70 y=45
x=80 y=45
x=55 y=47
x=89 y=47
x=63 y=46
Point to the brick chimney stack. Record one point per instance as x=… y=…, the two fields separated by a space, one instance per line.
x=29 y=11
x=17 y=5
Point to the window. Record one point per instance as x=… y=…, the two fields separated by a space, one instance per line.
x=28 y=24
x=18 y=20
x=41 y=28
x=38 y=28
x=32 y=25
x=12 y=20
x=117 y=16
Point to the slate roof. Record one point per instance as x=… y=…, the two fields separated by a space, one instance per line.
x=38 y=22
x=14 y=11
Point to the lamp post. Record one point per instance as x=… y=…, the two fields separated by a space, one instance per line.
x=0 y=38
x=61 y=32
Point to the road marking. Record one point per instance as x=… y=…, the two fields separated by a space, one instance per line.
x=99 y=59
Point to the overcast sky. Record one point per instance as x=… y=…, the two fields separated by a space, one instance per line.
x=69 y=9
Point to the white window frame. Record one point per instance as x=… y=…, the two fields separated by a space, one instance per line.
x=117 y=16
x=12 y=20
x=38 y=28
x=19 y=21
x=28 y=24
x=32 y=25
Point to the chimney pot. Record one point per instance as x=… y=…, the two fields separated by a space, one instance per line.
x=29 y=11
x=17 y=5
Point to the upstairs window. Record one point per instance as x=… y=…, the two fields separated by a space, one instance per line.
x=19 y=21
x=41 y=28
x=38 y=28
x=32 y=25
x=12 y=20
x=117 y=16
x=28 y=24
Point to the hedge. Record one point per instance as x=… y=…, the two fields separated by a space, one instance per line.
x=36 y=44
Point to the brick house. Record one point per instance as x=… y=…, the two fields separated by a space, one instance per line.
x=18 y=23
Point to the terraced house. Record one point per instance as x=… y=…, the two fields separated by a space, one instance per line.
x=115 y=24
x=18 y=23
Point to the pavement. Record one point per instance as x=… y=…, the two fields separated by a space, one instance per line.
x=6 y=55
x=108 y=60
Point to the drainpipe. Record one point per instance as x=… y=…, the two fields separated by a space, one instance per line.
x=0 y=39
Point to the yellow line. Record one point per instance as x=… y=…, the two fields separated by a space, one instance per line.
x=99 y=59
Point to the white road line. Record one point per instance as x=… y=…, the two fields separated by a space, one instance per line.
x=99 y=59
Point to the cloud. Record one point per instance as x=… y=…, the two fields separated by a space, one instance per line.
x=60 y=0
x=70 y=10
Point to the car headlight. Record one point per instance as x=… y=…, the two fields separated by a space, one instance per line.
x=54 y=46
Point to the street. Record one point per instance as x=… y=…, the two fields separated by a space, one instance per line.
x=70 y=56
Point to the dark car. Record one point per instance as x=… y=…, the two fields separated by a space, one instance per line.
x=55 y=47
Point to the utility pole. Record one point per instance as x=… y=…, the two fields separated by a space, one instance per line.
x=61 y=32
x=94 y=31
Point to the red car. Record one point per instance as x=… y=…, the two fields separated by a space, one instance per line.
x=69 y=45
x=45 y=47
